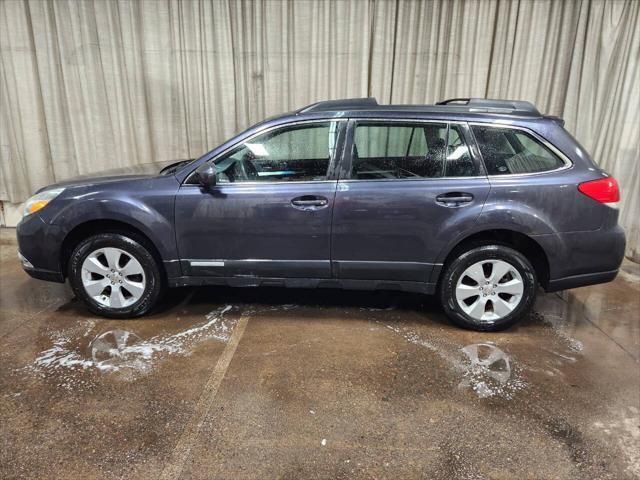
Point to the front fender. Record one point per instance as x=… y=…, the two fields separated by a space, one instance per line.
x=147 y=206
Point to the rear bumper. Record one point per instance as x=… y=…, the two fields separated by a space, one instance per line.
x=583 y=280
x=577 y=259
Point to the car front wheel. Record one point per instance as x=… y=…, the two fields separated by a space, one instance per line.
x=488 y=288
x=115 y=275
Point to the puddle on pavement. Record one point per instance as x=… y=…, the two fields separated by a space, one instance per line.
x=124 y=351
x=553 y=310
x=485 y=368
x=489 y=372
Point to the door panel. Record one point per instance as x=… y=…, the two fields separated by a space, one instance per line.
x=255 y=230
x=270 y=212
x=410 y=187
x=394 y=230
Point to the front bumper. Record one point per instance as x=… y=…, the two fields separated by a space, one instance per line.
x=26 y=264
x=39 y=249
x=40 y=274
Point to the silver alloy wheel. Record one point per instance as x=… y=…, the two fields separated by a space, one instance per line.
x=113 y=278
x=489 y=290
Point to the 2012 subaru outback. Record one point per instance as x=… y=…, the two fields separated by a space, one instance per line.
x=478 y=201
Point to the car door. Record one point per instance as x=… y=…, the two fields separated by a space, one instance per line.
x=269 y=214
x=406 y=188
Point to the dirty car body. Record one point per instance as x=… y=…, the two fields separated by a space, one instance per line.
x=349 y=194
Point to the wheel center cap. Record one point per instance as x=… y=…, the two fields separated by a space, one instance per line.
x=487 y=290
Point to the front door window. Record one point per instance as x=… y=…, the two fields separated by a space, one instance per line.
x=298 y=153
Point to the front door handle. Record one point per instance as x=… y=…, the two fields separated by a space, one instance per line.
x=454 y=199
x=309 y=202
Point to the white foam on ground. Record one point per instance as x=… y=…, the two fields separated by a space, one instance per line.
x=118 y=350
x=485 y=369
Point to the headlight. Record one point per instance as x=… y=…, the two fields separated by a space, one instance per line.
x=41 y=200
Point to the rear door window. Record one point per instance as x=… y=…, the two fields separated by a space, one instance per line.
x=507 y=151
x=458 y=162
x=404 y=151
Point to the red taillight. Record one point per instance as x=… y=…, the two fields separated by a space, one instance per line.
x=604 y=190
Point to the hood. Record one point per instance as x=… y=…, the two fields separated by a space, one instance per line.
x=134 y=172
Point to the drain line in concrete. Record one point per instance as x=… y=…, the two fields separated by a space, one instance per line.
x=173 y=469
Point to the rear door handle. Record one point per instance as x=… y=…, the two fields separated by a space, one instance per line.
x=309 y=202
x=454 y=199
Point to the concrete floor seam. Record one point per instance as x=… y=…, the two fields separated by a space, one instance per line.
x=614 y=341
x=182 y=450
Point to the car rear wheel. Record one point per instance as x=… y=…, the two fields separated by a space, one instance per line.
x=488 y=288
x=115 y=275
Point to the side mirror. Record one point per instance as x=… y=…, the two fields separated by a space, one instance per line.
x=206 y=175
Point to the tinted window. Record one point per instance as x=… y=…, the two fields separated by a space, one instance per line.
x=507 y=151
x=297 y=153
x=429 y=150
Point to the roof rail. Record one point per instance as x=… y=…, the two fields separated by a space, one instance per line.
x=346 y=104
x=458 y=105
x=464 y=101
x=489 y=105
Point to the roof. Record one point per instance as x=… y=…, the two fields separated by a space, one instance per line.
x=454 y=105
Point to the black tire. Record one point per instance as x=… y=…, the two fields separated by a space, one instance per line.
x=133 y=246
x=459 y=265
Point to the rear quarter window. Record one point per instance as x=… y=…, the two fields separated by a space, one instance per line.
x=507 y=151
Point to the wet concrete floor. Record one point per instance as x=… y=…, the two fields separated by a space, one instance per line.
x=300 y=384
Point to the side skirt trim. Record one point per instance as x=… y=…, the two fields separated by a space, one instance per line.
x=346 y=284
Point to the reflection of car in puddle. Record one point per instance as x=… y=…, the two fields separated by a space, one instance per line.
x=112 y=349
x=489 y=369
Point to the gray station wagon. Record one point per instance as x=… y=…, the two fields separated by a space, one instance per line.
x=478 y=201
